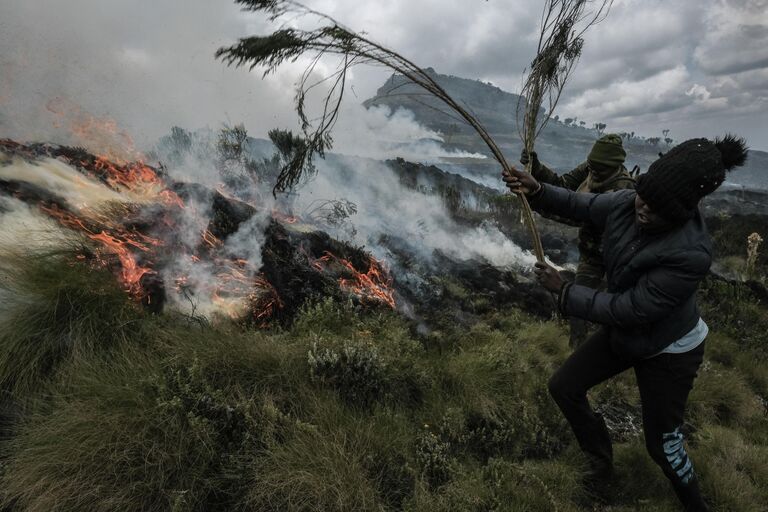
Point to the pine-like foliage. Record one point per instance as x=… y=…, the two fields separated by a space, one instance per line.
x=563 y=23
x=288 y=44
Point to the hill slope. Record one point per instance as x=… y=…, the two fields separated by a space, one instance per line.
x=560 y=146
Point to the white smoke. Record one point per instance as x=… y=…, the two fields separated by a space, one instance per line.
x=24 y=228
x=204 y=290
x=385 y=207
x=64 y=181
x=381 y=134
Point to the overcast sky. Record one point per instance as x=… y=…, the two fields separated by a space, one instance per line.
x=696 y=67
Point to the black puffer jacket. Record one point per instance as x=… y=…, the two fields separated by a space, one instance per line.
x=650 y=301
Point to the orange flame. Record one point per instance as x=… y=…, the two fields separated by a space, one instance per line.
x=375 y=285
x=98 y=133
x=131 y=272
x=282 y=217
x=135 y=177
x=115 y=241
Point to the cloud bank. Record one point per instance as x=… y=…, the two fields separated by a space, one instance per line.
x=696 y=67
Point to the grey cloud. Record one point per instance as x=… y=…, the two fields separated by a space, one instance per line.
x=150 y=64
x=637 y=41
x=752 y=6
x=755 y=81
x=735 y=65
x=632 y=109
x=735 y=39
x=755 y=31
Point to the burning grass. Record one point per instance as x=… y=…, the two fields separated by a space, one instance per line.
x=185 y=244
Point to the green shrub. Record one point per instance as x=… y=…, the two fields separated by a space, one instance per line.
x=355 y=370
x=434 y=458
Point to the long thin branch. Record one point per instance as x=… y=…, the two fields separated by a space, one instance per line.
x=288 y=43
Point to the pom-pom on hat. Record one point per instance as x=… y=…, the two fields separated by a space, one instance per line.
x=679 y=179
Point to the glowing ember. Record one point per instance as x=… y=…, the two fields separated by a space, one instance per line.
x=266 y=304
x=375 y=285
x=114 y=241
x=285 y=219
x=171 y=198
x=131 y=271
x=211 y=240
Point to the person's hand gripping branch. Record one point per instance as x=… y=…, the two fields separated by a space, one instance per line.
x=532 y=157
x=548 y=277
x=520 y=182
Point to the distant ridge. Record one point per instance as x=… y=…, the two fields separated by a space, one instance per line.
x=561 y=146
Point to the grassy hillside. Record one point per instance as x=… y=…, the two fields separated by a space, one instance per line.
x=107 y=408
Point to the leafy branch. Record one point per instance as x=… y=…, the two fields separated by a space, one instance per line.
x=287 y=44
x=563 y=24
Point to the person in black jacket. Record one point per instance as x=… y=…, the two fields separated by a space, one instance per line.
x=603 y=171
x=656 y=251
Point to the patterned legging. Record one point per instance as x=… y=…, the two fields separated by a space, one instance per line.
x=664 y=382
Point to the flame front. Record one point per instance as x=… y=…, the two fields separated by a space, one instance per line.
x=375 y=285
x=139 y=226
x=115 y=241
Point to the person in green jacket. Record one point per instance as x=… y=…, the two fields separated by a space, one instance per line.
x=603 y=171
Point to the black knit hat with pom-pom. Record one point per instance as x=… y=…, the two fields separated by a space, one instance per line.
x=676 y=182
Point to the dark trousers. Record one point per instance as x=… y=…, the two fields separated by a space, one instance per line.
x=664 y=382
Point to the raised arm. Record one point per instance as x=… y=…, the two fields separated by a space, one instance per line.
x=544 y=174
x=581 y=206
x=577 y=206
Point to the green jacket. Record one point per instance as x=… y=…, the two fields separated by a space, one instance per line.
x=581 y=180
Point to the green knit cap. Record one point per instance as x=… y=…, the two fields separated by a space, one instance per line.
x=607 y=152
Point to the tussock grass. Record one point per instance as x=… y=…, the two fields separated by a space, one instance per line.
x=734 y=470
x=346 y=410
x=721 y=395
x=641 y=484
x=724 y=350
x=171 y=428
x=341 y=461
x=56 y=308
x=503 y=485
